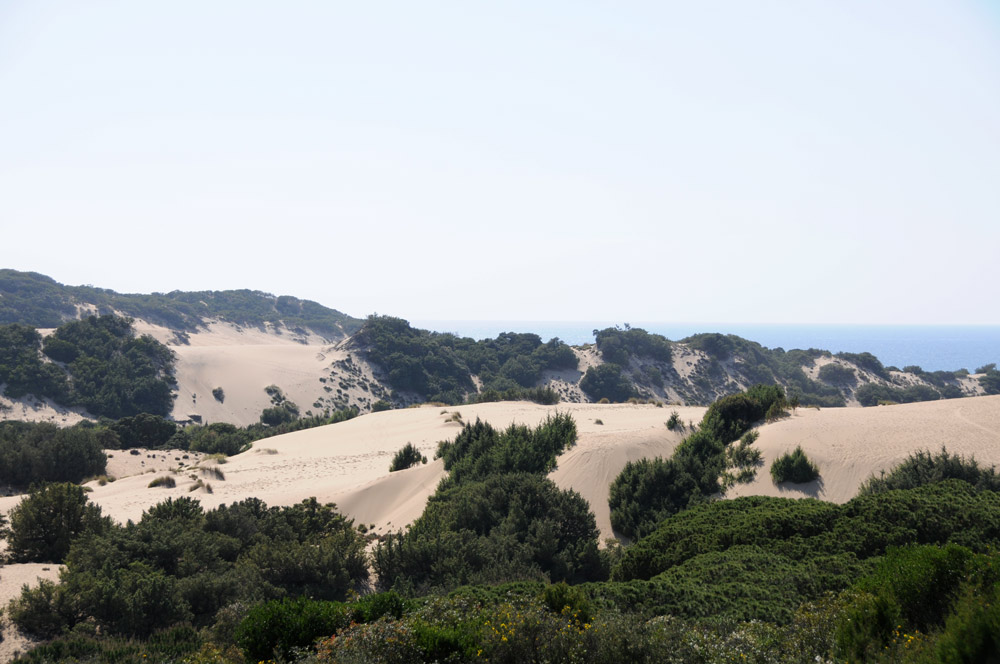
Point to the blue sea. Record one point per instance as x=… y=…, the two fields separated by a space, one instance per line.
x=931 y=347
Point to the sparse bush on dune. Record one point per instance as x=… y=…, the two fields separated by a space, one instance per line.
x=922 y=468
x=794 y=467
x=406 y=457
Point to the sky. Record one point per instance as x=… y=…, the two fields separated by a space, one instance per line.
x=754 y=162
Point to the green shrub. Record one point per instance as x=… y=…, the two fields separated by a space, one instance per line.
x=167 y=481
x=276 y=628
x=33 y=453
x=219 y=394
x=795 y=467
x=44 y=611
x=381 y=405
x=837 y=374
x=563 y=598
x=922 y=468
x=607 y=381
x=674 y=422
x=44 y=525
x=405 y=458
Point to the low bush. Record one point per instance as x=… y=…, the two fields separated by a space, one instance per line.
x=165 y=481
x=406 y=457
x=922 y=468
x=794 y=467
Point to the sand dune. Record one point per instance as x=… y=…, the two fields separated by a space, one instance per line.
x=348 y=463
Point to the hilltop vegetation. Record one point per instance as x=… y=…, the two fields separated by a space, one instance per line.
x=97 y=363
x=436 y=366
x=39 y=301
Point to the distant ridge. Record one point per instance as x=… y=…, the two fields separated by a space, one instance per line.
x=39 y=301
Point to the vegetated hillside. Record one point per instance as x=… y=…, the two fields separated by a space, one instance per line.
x=39 y=301
x=630 y=363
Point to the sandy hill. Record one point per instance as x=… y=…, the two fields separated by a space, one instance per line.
x=347 y=463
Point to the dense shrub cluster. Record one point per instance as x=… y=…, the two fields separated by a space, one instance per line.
x=607 y=381
x=496 y=517
x=112 y=372
x=922 y=468
x=22 y=368
x=794 y=467
x=180 y=563
x=649 y=490
x=439 y=367
x=872 y=394
x=39 y=301
x=508 y=527
x=43 y=525
x=618 y=346
x=479 y=451
x=228 y=439
x=36 y=453
x=837 y=374
x=545 y=396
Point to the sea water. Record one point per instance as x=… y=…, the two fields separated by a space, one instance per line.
x=931 y=347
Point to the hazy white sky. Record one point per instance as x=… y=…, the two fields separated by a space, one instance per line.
x=735 y=161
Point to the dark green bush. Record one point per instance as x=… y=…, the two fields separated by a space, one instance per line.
x=507 y=527
x=406 y=457
x=479 y=451
x=607 y=381
x=276 y=628
x=44 y=525
x=837 y=374
x=41 y=452
x=794 y=467
x=143 y=430
x=922 y=468
x=112 y=372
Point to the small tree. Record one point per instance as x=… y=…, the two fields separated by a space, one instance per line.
x=44 y=524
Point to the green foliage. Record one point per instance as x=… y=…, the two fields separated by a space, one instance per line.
x=866 y=361
x=507 y=527
x=112 y=372
x=922 y=468
x=794 y=467
x=37 y=453
x=439 y=367
x=649 y=490
x=219 y=394
x=990 y=381
x=837 y=374
x=381 y=405
x=43 y=525
x=179 y=563
x=607 y=381
x=143 y=430
x=406 y=457
x=914 y=591
x=618 y=346
x=22 y=368
x=564 y=598
x=479 y=451
x=177 y=644
x=278 y=415
x=37 y=300
x=674 y=422
x=541 y=395
x=164 y=480
x=276 y=628
x=871 y=394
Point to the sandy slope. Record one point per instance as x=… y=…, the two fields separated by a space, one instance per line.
x=348 y=463
x=850 y=444
x=12 y=579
